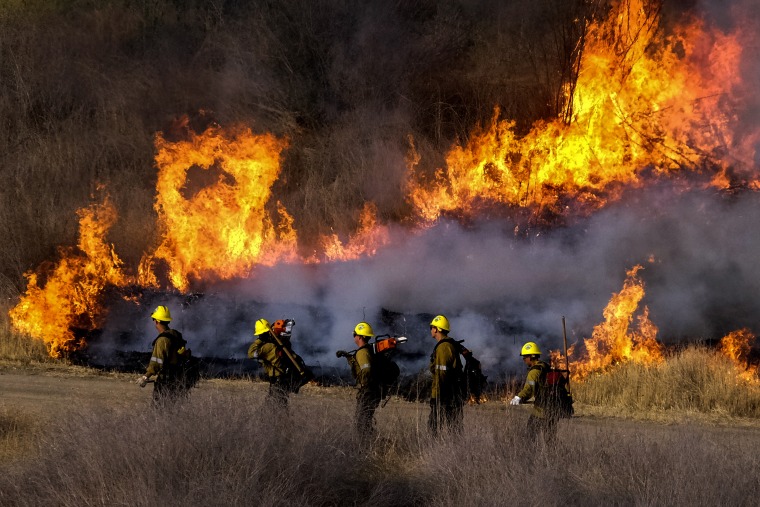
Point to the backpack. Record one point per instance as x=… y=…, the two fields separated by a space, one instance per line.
x=189 y=368
x=298 y=373
x=472 y=381
x=385 y=371
x=552 y=393
x=187 y=372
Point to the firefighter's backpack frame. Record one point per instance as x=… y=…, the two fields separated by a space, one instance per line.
x=552 y=393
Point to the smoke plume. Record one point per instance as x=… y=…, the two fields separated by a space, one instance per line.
x=498 y=289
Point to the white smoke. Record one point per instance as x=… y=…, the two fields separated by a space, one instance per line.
x=698 y=249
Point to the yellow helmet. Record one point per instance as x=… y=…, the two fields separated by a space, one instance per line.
x=364 y=329
x=530 y=349
x=161 y=313
x=262 y=326
x=441 y=322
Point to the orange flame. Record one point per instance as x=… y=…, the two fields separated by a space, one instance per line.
x=71 y=296
x=641 y=100
x=223 y=230
x=736 y=346
x=364 y=242
x=613 y=342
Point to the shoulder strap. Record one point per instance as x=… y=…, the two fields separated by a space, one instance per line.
x=175 y=337
x=542 y=368
x=450 y=340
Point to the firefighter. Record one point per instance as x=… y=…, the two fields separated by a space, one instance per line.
x=272 y=349
x=446 y=397
x=369 y=394
x=163 y=369
x=541 y=421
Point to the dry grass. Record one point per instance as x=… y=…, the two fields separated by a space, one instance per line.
x=18 y=348
x=595 y=463
x=692 y=380
x=226 y=447
x=18 y=431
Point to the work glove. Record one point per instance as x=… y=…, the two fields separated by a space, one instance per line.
x=515 y=401
x=341 y=353
x=142 y=381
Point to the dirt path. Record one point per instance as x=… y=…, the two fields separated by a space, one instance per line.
x=53 y=394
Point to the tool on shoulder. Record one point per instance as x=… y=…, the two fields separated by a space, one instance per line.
x=285 y=328
x=384 y=370
x=567 y=359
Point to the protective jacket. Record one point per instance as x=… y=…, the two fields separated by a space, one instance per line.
x=269 y=354
x=532 y=384
x=361 y=366
x=446 y=367
x=368 y=395
x=165 y=357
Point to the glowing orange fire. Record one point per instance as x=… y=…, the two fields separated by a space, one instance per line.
x=224 y=230
x=614 y=341
x=641 y=100
x=365 y=241
x=736 y=346
x=221 y=230
x=70 y=297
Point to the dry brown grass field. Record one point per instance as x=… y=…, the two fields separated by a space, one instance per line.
x=76 y=436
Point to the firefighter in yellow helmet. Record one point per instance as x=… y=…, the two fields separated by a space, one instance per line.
x=368 y=394
x=540 y=421
x=446 y=397
x=163 y=369
x=284 y=369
